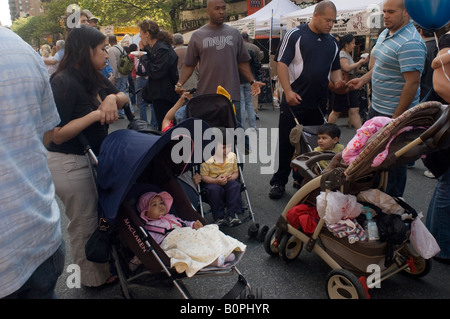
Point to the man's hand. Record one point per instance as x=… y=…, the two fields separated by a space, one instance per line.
x=256 y=87
x=292 y=98
x=340 y=84
x=355 y=84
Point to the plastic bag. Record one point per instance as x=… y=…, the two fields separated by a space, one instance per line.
x=382 y=200
x=422 y=240
x=338 y=206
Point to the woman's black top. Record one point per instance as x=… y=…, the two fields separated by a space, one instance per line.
x=161 y=62
x=73 y=101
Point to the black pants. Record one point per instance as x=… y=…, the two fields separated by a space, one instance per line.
x=161 y=108
x=306 y=116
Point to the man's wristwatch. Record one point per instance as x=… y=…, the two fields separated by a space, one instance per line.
x=178 y=85
x=252 y=81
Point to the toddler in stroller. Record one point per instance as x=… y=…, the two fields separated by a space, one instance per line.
x=220 y=175
x=190 y=245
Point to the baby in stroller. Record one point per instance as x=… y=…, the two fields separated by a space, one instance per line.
x=190 y=245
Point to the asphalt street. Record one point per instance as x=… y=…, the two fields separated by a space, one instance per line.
x=303 y=278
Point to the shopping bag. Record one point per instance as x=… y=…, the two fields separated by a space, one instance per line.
x=422 y=240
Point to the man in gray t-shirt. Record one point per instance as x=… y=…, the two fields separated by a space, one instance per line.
x=221 y=54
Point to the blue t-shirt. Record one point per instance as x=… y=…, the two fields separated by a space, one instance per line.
x=310 y=57
x=404 y=51
x=30 y=226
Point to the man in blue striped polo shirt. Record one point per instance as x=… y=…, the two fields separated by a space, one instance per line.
x=31 y=246
x=399 y=61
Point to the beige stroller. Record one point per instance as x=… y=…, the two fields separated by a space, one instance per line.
x=351 y=275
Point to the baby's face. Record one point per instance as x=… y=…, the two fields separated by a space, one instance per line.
x=156 y=208
x=326 y=142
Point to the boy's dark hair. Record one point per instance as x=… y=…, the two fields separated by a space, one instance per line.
x=226 y=135
x=330 y=129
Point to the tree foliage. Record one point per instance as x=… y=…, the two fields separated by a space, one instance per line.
x=111 y=12
x=130 y=12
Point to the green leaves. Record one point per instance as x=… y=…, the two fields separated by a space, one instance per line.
x=35 y=30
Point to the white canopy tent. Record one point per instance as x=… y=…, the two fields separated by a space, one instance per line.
x=263 y=17
x=356 y=17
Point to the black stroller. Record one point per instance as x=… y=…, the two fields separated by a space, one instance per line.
x=131 y=163
x=218 y=112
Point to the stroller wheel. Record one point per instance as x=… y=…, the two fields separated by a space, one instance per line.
x=290 y=247
x=418 y=266
x=262 y=233
x=270 y=242
x=421 y=267
x=253 y=230
x=343 y=284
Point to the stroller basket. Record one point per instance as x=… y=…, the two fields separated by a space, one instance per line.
x=361 y=254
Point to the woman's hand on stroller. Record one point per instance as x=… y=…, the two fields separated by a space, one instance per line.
x=108 y=110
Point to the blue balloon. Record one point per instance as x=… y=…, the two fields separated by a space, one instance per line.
x=429 y=14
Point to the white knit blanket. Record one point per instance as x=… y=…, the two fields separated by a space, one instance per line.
x=191 y=250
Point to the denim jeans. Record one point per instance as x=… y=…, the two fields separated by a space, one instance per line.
x=121 y=85
x=141 y=82
x=247 y=106
x=397 y=176
x=237 y=107
x=141 y=104
x=42 y=283
x=438 y=216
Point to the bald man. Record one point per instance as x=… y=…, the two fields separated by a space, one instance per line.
x=307 y=58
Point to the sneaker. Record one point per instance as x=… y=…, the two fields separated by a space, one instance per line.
x=233 y=221
x=428 y=174
x=276 y=192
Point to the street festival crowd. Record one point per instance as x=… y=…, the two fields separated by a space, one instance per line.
x=78 y=86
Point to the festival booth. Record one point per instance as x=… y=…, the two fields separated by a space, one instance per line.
x=360 y=18
x=267 y=19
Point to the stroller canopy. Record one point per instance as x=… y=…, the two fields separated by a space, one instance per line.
x=125 y=154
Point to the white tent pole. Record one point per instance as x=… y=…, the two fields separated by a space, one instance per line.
x=270 y=38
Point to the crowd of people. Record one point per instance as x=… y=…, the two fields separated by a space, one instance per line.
x=75 y=90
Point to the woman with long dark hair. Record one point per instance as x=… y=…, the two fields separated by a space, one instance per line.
x=347 y=101
x=162 y=67
x=87 y=103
